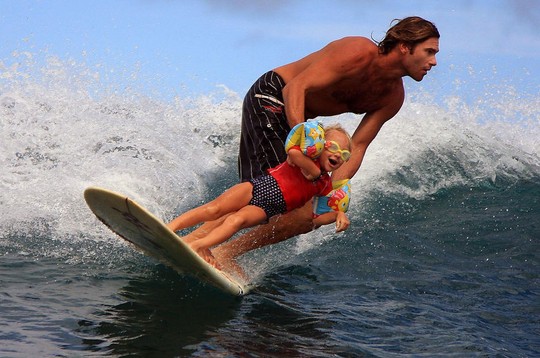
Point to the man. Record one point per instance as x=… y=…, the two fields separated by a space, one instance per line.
x=352 y=74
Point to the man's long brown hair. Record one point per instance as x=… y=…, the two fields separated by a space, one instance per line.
x=410 y=30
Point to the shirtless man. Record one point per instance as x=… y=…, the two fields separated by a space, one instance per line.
x=352 y=74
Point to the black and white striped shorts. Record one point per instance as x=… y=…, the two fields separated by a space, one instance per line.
x=264 y=127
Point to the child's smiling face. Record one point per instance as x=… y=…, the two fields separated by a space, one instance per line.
x=331 y=161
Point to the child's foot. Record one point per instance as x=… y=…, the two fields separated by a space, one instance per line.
x=205 y=254
x=188 y=239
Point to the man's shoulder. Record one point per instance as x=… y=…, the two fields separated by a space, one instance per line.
x=356 y=51
x=356 y=41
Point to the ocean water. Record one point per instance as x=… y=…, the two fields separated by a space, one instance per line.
x=442 y=257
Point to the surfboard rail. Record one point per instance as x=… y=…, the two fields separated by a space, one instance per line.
x=135 y=224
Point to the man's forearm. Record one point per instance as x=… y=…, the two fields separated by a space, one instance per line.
x=349 y=169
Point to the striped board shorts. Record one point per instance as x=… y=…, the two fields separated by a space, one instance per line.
x=264 y=127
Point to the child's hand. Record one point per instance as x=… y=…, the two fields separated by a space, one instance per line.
x=342 y=222
x=290 y=161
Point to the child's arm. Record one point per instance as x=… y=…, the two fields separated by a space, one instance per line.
x=342 y=222
x=309 y=168
x=339 y=217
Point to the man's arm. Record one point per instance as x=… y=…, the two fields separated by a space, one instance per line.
x=362 y=137
x=339 y=60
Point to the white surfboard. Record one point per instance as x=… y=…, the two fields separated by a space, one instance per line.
x=137 y=225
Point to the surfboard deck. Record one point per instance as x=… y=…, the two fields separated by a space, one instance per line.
x=135 y=224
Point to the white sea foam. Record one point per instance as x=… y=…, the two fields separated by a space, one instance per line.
x=57 y=138
x=63 y=130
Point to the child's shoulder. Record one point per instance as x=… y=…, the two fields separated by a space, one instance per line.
x=307 y=137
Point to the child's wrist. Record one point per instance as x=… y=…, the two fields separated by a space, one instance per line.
x=319 y=176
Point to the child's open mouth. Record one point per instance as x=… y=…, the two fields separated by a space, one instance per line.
x=333 y=162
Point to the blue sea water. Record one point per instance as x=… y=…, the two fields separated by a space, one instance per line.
x=442 y=258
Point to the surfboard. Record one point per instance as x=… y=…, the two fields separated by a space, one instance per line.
x=146 y=232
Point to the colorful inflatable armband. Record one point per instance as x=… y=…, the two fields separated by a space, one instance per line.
x=337 y=200
x=308 y=137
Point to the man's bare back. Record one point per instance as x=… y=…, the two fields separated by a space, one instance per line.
x=354 y=80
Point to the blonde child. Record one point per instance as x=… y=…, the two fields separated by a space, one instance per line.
x=288 y=186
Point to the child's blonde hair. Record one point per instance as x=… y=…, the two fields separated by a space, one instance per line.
x=338 y=128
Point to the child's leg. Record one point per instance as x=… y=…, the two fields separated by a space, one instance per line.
x=203 y=230
x=248 y=216
x=231 y=200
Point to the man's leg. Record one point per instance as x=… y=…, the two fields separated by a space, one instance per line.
x=279 y=228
